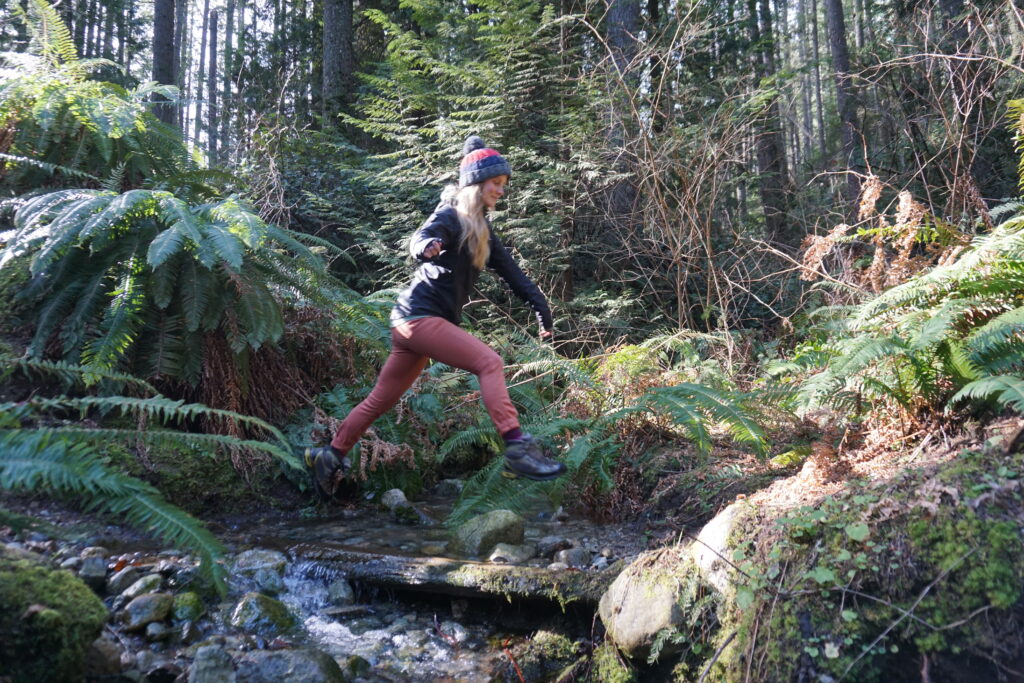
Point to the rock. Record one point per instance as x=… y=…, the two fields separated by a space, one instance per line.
x=453 y=632
x=189 y=632
x=265 y=567
x=540 y=658
x=103 y=657
x=549 y=545
x=157 y=631
x=187 y=606
x=433 y=548
x=644 y=599
x=95 y=551
x=712 y=546
x=481 y=533
x=145 y=660
x=121 y=580
x=449 y=488
x=355 y=666
x=212 y=665
x=512 y=554
x=147 y=584
x=340 y=593
x=459 y=607
x=279 y=666
x=48 y=620
x=146 y=609
x=94 y=572
x=393 y=498
x=71 y=564
x=573 y=557
x=258 y=613
x=558 y=566
x=600 y=563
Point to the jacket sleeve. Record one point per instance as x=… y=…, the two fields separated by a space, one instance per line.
x=504 y=265
x=438 y=226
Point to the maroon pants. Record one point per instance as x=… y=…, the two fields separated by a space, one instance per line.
x=412 y=345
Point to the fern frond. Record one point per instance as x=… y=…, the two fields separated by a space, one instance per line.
x=1007 y=390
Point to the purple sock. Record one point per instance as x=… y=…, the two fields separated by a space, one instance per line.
x=512 y=435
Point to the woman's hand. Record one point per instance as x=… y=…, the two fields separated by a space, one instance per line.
x=433 y=249
x=546 y=335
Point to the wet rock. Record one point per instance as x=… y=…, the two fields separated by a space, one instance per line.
x=573 y=557
x=269 y=581
x=481 y=533
x=147 y=584
x=449 y=488
x=94 y=551
x=512 y=554
x=393 y=498
x=103 y=657
x=163 y=672
x=72 y=563
x=453 y=632
x=355 y=666
x=265 y=567
x=300 y=666
x=146 y=609
x=558 y=566
x=189 y=632
x=121 y=580
x=212 y=665
x=258 y=613
x=600 y=563
x=433 y=548
x=94 y=572
x=48 y=619
x=340 y=593
x=549 y=545
x=187 y=606
x=540 y=658
x=145 y=660
x=157 y=631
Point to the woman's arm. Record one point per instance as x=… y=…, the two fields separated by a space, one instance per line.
x=434 y=235
x=505 y=266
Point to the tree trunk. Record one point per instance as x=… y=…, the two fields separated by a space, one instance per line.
x=211 y=89
x=229 y=55
x=113 y=8
x=338 y=58
x=201 y=72
x=81 y=11
x=844 y=99
x=163 y=55
x=823 y=149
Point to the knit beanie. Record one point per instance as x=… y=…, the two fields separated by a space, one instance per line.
x=480 y=162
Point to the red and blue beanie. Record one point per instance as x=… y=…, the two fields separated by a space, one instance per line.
x=480 y=162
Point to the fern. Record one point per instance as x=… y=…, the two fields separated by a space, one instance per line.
x=1007 y=390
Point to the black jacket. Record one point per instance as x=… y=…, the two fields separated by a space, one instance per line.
x=441 y=286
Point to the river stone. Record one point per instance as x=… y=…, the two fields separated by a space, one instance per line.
x=257 y=613
x=269 y=581
x=299 y=666
x=94 y=551
x=340 y=593
x=643 y=600
x=147 y=584
x=212 y=665
x=481 y=533
x=712 y=546
x=549 y=545
x=433 y=548
x=103 y=657
x=157 y=630
x=251 y=561
x=393 y=498
x=453 y=632
x=573 y=557
x=119 y=581
x=145 y=609
x=512 y=554
x=188 y=606
x=355 y=666
x=94 y=572
x=449 y=488
x=71 y=564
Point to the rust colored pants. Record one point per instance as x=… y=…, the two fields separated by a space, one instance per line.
x=413 y=344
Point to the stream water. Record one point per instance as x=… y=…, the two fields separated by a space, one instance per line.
x=415 y=636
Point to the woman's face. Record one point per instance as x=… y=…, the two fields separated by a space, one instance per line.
x=492 y=190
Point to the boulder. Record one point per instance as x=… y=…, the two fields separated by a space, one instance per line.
x=481 y=533
x=712 y=545
x=512 y=554
x=48 y=620
x=258 y=613
x=573 y=557
x=643 y=600
x=146 y=609
x=282 y=666
x=212 y=665
x=393 y=498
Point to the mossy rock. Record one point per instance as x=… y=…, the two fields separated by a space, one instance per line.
x=187 y=606
x=609 y=666
x=541 y=657
x=869 y=584
x=258 y=613
x=48 y=619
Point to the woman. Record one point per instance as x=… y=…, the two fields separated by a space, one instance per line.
x=453 y=246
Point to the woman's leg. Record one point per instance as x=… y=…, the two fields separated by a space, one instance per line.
x=400 y=370
x=450 y=344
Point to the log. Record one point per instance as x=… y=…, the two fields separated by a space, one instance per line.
x=460 y=578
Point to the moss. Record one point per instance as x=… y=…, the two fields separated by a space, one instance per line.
x=541 y=657
x=610 y=667
x=48 y=618
x=197 y=480
x=928 y=552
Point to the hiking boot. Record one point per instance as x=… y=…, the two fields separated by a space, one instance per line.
x=525 y=458
x=324 y=466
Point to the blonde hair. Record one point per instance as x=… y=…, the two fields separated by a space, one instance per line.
x=469 y=203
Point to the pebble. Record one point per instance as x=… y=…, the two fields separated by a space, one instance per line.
x=72 y=563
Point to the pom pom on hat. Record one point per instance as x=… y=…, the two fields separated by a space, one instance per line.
x=479 y=162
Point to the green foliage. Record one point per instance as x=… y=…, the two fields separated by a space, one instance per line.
x=41 y=454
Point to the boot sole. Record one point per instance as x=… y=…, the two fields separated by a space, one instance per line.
x=307 y=460
x=512 y=474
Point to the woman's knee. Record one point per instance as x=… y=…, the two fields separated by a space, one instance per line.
x=488 y=364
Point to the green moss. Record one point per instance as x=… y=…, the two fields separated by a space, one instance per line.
x=541 y=657
x=48 y=618
x=610 y=667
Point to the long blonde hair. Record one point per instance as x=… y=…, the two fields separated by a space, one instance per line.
x=469 y=203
